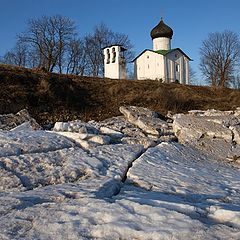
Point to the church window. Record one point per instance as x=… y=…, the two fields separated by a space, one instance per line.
x=147 y=56
x=148 y=66
x=177 y=68
x=114 y=55
x=176 y=55
x=108 y=56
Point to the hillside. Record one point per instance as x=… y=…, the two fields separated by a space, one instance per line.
x=51 y=97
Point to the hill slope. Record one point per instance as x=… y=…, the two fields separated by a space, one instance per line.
x=53 y=97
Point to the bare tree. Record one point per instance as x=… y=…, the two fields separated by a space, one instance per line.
x=9 y=58
x=236 y=82
x=192 y=75
x=48 y=38
x=17 y=56
x=94 y=44
x=76 y=60
x=220 y=54
x=52 y=43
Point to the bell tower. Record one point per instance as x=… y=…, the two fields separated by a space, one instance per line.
x=114 y=62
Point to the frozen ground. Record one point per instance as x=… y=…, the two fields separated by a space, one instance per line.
x=72 y=183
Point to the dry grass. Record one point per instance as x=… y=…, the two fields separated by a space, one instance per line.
x=53 y=97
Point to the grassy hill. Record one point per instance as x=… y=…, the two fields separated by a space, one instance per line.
x=53 y=97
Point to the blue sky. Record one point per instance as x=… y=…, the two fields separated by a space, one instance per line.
x=191 y=20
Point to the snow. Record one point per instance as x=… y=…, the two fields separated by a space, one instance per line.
x=20 y=142
x=41 y=169
x=113 y=133
x=75 y=126
x=145 y=119
x=117 y=158
x=180 y=176
x=213 y=132
x=146 y=142
x=194 y=127
x=95 y=181
x=236 y=132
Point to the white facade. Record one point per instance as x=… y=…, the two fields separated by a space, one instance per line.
x=149 y=65
x=162 y=63
x=114 y=62
x=161 y=43
x=170 y=67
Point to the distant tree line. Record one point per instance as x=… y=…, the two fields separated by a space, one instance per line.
x=54 y=44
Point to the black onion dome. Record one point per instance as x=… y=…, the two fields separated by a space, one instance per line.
x=161 y=30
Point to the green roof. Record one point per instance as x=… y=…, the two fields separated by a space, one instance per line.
x=165 y=52
x=162 y=52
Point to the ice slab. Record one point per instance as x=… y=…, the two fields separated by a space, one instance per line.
x=21 y=142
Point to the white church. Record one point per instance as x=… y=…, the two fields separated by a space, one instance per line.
x=162 y=63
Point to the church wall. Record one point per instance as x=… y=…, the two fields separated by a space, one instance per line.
x=170 y=68
x=177 y=64
x=166 y=70
x=186 y=70
x=170 y=65
x=150 y=65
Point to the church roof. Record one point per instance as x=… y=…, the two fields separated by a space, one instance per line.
x=163 y=52
x=161 y=30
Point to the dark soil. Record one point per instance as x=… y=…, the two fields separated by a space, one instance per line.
x=53 y=97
